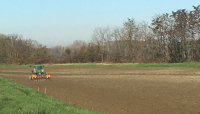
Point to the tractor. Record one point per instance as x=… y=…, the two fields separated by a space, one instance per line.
x=38 y=73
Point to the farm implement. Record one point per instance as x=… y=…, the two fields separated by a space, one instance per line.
x=38 y=73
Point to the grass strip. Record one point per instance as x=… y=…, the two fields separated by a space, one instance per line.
x=126 y=65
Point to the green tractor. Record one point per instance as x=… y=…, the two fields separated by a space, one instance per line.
x=38 y=73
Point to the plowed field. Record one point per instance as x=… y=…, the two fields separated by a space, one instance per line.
x=119 y=90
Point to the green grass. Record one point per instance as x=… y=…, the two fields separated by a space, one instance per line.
x=170 y=65
x=14 y=66
x=127 y=65
x=18 y=99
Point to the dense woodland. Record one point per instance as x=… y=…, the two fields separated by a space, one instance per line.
x=170 y=38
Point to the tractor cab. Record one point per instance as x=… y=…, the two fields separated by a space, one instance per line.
x=38 y=69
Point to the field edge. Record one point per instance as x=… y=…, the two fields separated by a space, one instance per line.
x=16 y=98
x=126 y=65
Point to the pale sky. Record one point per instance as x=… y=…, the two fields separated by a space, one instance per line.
x=60 y=22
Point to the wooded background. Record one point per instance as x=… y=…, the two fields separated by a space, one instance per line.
x=170 y=38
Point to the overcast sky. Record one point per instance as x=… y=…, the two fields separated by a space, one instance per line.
x=60 y=22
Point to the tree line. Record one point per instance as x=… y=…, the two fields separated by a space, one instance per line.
x=169 y=38
x=16 y=50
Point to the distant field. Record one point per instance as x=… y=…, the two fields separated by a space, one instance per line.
x=127 y=65
x=18 y=99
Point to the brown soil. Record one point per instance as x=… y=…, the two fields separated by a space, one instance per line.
x=119 y=90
